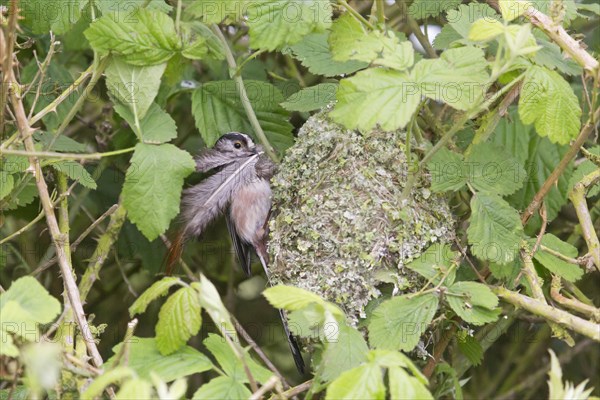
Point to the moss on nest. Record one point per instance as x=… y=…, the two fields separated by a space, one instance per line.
x=339 y=226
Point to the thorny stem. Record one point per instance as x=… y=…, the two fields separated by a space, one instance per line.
x=66 y=156
x=8 y=62
x=550 y=313
x=578 y=199
x=573 y=304
x=58 y=238
x=380 y=6
x=103 y=248
x=558 y=34
x=239 y=83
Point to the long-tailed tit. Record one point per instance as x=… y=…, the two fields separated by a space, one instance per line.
x=240 y=188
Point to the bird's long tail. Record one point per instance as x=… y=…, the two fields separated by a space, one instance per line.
x=175 y=251
x=294 y=348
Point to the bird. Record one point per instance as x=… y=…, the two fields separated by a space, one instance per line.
x=239 y=188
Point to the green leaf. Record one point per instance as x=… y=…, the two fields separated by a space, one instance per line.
x=473 y=302
x=291 y=298
x=155 y=291
x=67 y=17
x=548 y=101
x=179 y=319
x=474 y=293
x=560 y=267
x=348 y=351
x=215 y=11
x=398 y=323
x=435 y=263
x=376 y=96
x=460 y=22
x=7 y=183
x=459 y=77
x=376 y=47
x=76 y=172
x=495 y=230
x=311 y=98
x=222 y=387
x=25 y=197
x=447 y=171
x=471 y=348
x=153 y=184
x=494 y=170
x=145 y=38
x=8 y=347
x=134 y=87
x=405 y=387
x=217 y=109
x=135 y=389
x=155 y=128
x=512 y=9
x=195 y=43
x=506 y=272
x=231 y=365
x=540 y=157
x=59 y=144
x=277 y=23
x=485 y=29
x=551 y=56
x=210 y=300
x=422 y=9
x=145 y=360
x=97 y=386
x=314 y=53
x=363 y=382
x=25 y=304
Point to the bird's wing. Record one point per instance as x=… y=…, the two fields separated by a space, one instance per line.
x=242 y=249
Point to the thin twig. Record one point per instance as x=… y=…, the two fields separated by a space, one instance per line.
x=76 y=243
x=355 y=14
x=269 y=384
x=239 y=82
x=63 y=96
x=416 y=29
x=540 y=235
x=296 y=390
x=122 y=357
x=66 y=156
x=259 y=351
x=42 y=72
x=439 y=350
x=560 y=168
x=588 y=311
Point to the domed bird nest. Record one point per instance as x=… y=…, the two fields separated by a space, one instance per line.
x=340 y=227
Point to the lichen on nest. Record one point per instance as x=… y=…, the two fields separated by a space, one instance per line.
x=339 y=226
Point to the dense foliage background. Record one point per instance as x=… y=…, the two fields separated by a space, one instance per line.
x=105 y=102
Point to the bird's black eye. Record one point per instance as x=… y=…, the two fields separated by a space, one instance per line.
x=237 y=145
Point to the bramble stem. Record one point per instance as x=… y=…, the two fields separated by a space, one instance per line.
x=58 y=238
x=552 y=314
